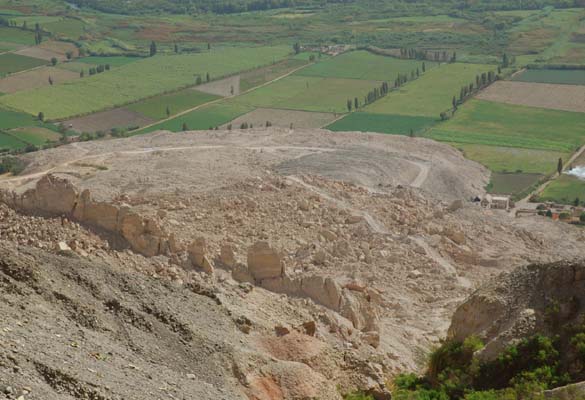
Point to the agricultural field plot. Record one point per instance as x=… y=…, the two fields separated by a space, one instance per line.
x=382 y=123
x=512 y=183
x=308 y=93
x=511 y=159
x=229 y=86
x=11 y=63
x=11 y=119
x=283 y=118
x=203 y=118
x=9 y=46
x=259 y=76
x=69 y=28
x=59 y=47
x=35 y=135
x=17 y=36
x=9 y=142
x=138 y=80
x=114 y=61
x=40 y=53
x=554 y=76
x=75 y=66
x=107 y=120
x=564 y=189
x=36 y=78
x=362 y=64
x=430 y=94
x=156 y=107
x=541 y=95
x=497 y=124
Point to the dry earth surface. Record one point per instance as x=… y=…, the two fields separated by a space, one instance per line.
x=284 y=118
x=261 y=264
x=223 y=87
x=106 y=120
x=543 y=95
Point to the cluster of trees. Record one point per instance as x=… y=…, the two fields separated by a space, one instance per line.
x=481 y=81
x=95 y=70
x=373 y=95
x=416 y=54
x=401 y=79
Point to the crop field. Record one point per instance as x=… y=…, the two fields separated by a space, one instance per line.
x=10 y=119
x=36 y=78
x=512 y=183
x=222 y=87
x=107 y=120
x=68 y=27
x=542 y=95
x=555 y=76
x=430 y=94
x=564 y=190
x=382 y=123
x=75 y=66
x=203 y=118
x=497 y=124
x=139 y=80
x=9 y=142
x=258 y=76
x=512 y=159
x=363 y=65
x=308 y=93
x=156 y=107
x=114 y=61
x=41 y=53
x=18 y=36
x=35 y=135
x=10 y=63
x=284 y=118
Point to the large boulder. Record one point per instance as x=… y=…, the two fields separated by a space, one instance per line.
x=264 y=262
x=322 y=290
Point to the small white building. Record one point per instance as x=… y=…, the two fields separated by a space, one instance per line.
x=496 y=201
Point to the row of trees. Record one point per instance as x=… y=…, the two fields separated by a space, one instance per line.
x=416 y=54
x=373 y=95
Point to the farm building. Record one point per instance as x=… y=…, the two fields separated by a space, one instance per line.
x=498 y=202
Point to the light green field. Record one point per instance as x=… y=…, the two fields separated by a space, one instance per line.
x=9 y=142
x=382 y=123
x=185 y=99
x=364 y=65
x=17 y=36
x=75 y=66
x=138 y=80
x=69 y=27
x=509 y=159
x=35 y=135
x=432 y=93
x=10 y=63
x=203 y=118
x=497 y=124
x=31 y=20
x=114 y=61
x=308 y=93
x=564 y=190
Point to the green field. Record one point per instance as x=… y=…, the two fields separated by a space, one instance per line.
x=511 y=159
x=512 y=183
x=382 y=123
x=35 y=135
x=69 y=27
x=10 y=63
x=258 y=76
x=308 y=93
x=203 y=118
x=156 y=107
x=17 y=36
x=75 y=66
x=11 y=119
x=138 y=80
x=114 y=61
x=497 y=124
x=363 y=65
x=9 y=142
x=432 y=93
x=564 y=190
x=558 y=76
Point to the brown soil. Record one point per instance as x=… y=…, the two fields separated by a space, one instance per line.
x=284 y=118
x=36 y=78
x=106 y=120
x=222 y=87
x=543 y=95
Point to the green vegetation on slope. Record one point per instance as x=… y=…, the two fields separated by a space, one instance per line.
x=138 y=80
x=432 y=93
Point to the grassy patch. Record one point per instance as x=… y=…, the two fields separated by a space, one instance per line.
x=497 y=124
x=138 y=80
x=258 y=76
x=9 y=142
x=202 y=118
x=509 y=159
x=17 y=36
x=382 y=123
x=511 y=183
x=12 y=119
x=69 y=27
x=567 y=77
x=432 y=93
x=363 y=65
x=114 y=61
x=10 y=63
x=564 y=190
x=35 y=135
x=156 y=107
x=308 y=93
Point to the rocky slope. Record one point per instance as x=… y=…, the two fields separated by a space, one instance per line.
x=291 y=262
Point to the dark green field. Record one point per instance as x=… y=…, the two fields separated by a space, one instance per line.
x=10 y=63
x=558 y=76
x=156 y=107
x=12 y=119
x=511 y=183
x=382 y=123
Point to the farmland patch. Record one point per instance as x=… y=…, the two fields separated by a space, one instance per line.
x=114 y=61
x=9 y=142
x=284 y=118
x=555 y=76
x=564 y=189
x=382 y=123
x=511 y=183
x=542 y=95
x=11 y=119
x=11 y=63
x=156 y=107
x=107 y=120
x=258 y=76
x=35 y=78
x=35 y=135
x=229 y=86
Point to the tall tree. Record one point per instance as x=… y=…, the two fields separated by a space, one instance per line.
x=152 y=48
x=349 y=105
x=207 y=77
x=560 y=166
x=176 y=48
x=168 y=112
x=424 y=68
x=356 y=103
x=297 y=48
x=41 y=116
x=454 y=101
